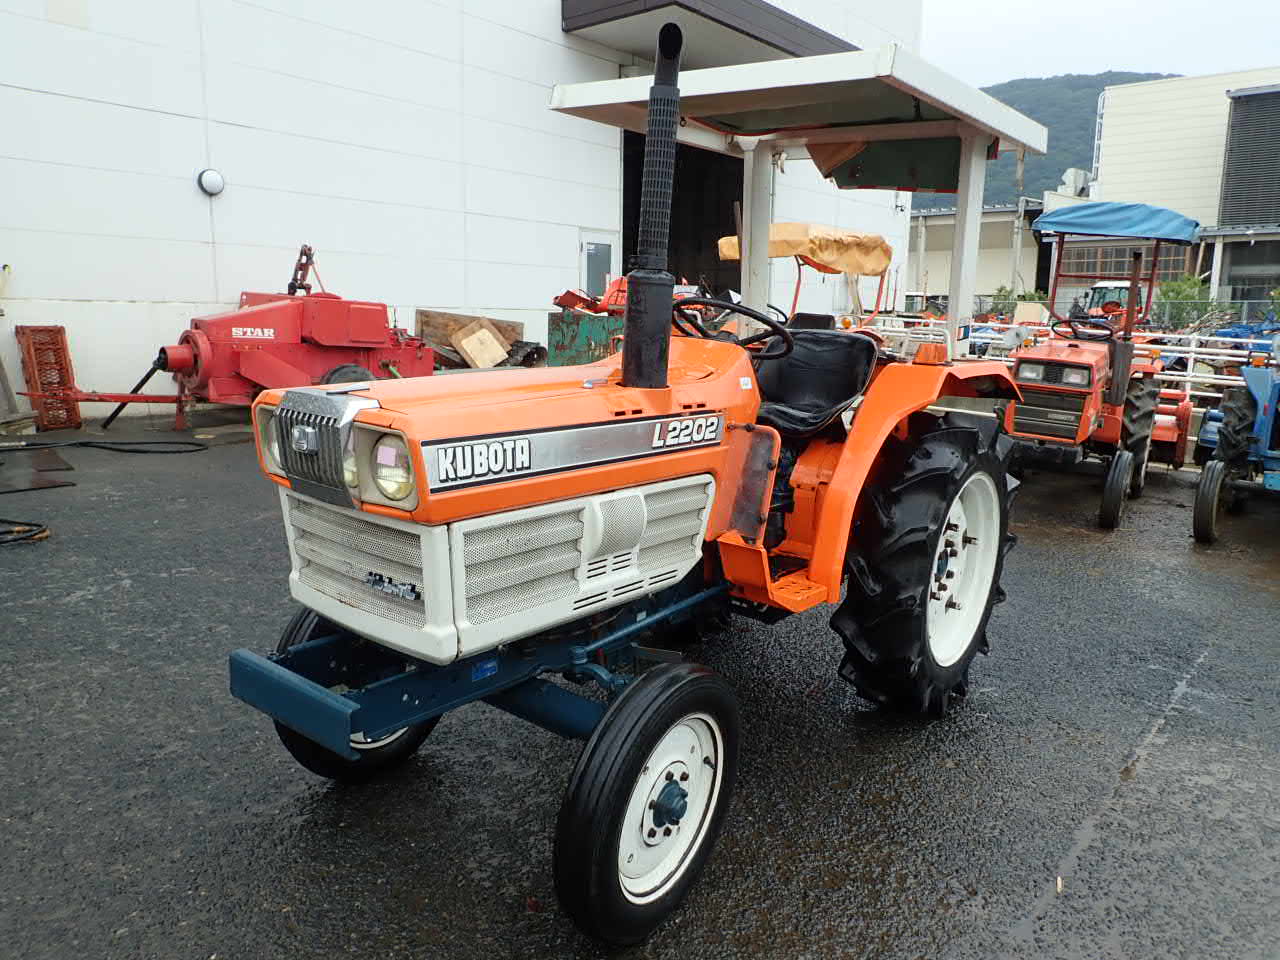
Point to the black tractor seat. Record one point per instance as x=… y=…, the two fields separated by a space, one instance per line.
x=818 y=381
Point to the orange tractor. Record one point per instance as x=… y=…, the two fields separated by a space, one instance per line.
x=1091 y=389
x=456 y=539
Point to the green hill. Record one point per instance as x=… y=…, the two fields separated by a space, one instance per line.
x=1068 y=106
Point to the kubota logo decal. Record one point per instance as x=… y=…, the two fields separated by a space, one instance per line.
x=254 y=333
x=468 y=461
x=454 y=464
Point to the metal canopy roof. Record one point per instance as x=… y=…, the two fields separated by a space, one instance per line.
x=882 y=94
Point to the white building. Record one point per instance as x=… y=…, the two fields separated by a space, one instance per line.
x=408 y=141
x=1206 y=147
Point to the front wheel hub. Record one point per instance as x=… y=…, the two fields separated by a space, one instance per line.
x=671 y=805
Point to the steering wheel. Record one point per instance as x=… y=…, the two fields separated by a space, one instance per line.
x=1090 y=331
x=775 y=330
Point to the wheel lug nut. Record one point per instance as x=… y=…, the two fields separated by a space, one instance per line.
x=684 y=777
x=951 y=574
x=952 y=552
x=670 y=775
x=953 y=604
x=952 y=527
x=942 y=588
x=666 y=831
x=951 y=544
x=969 y=541
x=652 y=833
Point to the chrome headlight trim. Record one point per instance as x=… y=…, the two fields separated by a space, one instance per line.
x=313 y=432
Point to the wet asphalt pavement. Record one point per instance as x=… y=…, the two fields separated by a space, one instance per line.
x=1124 y=736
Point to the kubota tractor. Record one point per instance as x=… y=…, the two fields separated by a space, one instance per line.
x=1090 y=390
x=456 y=539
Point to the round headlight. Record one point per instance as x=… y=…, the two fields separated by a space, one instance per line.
x=392 y=468
x=269 y=438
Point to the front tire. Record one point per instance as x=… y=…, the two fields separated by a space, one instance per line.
x=1204 y=515
x=376 y=756
x=926 y=554
x=646 y=802
x=1115 y=489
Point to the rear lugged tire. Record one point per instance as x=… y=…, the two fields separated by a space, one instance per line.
x=377 y=757
x=1235 y=434
x=1115 y=489
x=646 y=802
x=1137 y=422
x=1204 y=516
x=925 y=558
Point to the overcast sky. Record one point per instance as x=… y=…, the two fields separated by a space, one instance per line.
x=989 y=41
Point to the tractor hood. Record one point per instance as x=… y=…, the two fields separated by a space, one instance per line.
x=1067 y=351
x=466 y=389
x=486 y=441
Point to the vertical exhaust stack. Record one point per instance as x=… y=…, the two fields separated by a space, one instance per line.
x=647 y=336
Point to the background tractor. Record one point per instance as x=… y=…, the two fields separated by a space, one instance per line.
x=1090 y=390
x=1244 y=437
x=456 y=539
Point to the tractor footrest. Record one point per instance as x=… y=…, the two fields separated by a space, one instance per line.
x=797 y=592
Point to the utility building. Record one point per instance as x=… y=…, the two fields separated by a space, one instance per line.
x=409 y=142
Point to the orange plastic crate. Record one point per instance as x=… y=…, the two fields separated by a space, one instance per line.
x=46 y=366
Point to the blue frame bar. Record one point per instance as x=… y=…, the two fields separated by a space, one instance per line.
x=295 y=701
x=388 y=690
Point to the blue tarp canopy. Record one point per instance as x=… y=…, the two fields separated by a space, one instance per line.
x=1101 y=219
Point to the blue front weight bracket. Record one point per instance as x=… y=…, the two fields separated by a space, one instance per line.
x=384 y=691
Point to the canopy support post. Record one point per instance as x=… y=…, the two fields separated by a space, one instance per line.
x=964 y=245
x=757 y=213
x=922 y=246
x=1215 y=276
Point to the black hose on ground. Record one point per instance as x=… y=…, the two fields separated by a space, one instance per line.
x=22 y=531
x=115 y=446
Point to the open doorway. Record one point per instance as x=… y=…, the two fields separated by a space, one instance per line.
x=706 y=188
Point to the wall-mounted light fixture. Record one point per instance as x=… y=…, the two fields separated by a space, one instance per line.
x=210 y=181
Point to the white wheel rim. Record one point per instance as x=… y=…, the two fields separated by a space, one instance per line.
x=963 y=568
x=653 y=854
x=360 y=742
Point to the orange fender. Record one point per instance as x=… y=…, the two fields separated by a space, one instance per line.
x=897 y=391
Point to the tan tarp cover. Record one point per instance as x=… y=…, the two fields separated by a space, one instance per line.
x=841 y=251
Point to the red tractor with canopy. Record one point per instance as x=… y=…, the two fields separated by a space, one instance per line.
x=1091 y=389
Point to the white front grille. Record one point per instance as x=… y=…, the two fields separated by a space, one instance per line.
x=520 y=563
x=336 y=549
x=520 y=573
x=489 y=580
